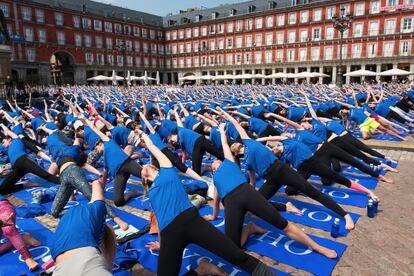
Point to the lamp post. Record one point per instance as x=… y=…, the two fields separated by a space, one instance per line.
x=341 y=23
x=123 y=48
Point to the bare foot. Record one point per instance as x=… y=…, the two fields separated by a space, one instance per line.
x=207 y=268
x=30 y=240
x=153 y=245
x=388 y=168
x=122 y=224
x=292 y=209
x=349 y=223
x=252 y=228
x=331 y=254
x=385 y=179
x=32 y=264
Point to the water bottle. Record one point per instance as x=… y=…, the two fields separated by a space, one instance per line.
x=370 y=209
x=375 y=205
x=335 y=228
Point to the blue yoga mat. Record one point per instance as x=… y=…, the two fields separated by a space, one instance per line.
x=12 y=263
x=341 y=195
x=276 y=245
x=366 y=181
x=380 y=136
x=315 y=216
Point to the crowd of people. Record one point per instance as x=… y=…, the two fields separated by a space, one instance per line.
x=280 y=133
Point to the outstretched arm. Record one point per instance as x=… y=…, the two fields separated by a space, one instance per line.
x=156 y=152
x=239 y=128
x=178 y=119
x=102 y=136
x=8 y=132
x=226 y=149
x=310 y=107
x=271 y=138
x=149 y=126
x=287 y=121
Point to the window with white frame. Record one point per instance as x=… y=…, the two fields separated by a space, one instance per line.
x=269 y=39
x=109 y=43
x=86 y=23
x=110 y=59
x=258 y=57
x=203 y=61
x=317 y=15
x=248 y=41
x=247 y=58
x=329 y=33
x=290 y=55
x=196 y=61
x=146 y=62
x=78 y=40
x=87 y=40
x=212 y=45
x=40 y=16
x=137 y=46
x=188 y=47
x=204 y=31
x=5 y=8
x=221 y=44
x=181 y=62
x=373 y=28
x=238 y=58
x=152 y=33
x=269 y=57
x=405 y=47
x=120 y=60
x=269 y=21
x=328 y=52
x=279 y=55
x=145 y=47
x=108 y=27
x=31 y=54
x=130 y=61
x=358 y=29
x=344 y=9
x=28 y=34
x=280 y=38
x=304 y=16
x=407 y=24
x=372 y=49
x=189 y=62
x=239 y=25
x=230 y=27
x=89 y=58
x=153 y=62
x=188 y=33
x=195 y=32
x=97 y=25
x=258 y=40
x=42 y=35
x=220 y=28
x=26 y=13
x=100 y=59
x=374 y=7
x=388 y=49
x=259 y=22
x=292 y=18
x=138 y=61
x=391 y=3
x=98 y=42
x=280 y=20
x=181 y=48
x=292 y=36
x=304 y=35
x=58 y=18
x=229 y=43
x=239 y=41
x=302 y=54
x=315 y=53
x=359 y=8
x=330 y=12
x=389 y=26
x=196 y=46
x=344 y=51
x=356 y=50
x=204 y=45
x=316 y=34
x=145 y=32
x=249 y=24
x=181 y=33
x=174 y=35
x=229 y=59
x=118 y=28
x=212 y=29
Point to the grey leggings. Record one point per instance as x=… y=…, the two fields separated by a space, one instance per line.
x=73 y=178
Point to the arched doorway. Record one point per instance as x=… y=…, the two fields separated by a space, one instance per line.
x=62 y=65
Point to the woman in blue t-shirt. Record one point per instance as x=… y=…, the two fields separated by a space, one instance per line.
x=180 y=223
x=261 y=160
x=239 y=197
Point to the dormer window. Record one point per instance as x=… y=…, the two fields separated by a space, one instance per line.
x=252 y=8
x=198 y=17
x=232 y=12
x=214 y=15
x=272 y=4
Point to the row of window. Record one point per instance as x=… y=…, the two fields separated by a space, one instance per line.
x=292 y=55
x=278 y=20
x=118 y=60
x=85 y=23
x=290 y=36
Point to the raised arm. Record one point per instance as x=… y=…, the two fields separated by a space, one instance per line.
x=287 y=121
x=156 y=152
x=27 y=114
x=102 y=136
x=271 y=138
x=310 y=107
x=210 y=121
x=147 y=124
x=226 y=149
x=178 y=119
x=239 y=128
x=241 y=115
x=8 y=132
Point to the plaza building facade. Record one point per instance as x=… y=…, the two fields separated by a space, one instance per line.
x=66 y=41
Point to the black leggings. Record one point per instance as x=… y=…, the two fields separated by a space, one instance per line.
x=189 y=227
x=175 y=160
x=329 y=151
x=315 y=166
x=281 y=174
x=361 y=145
x=395 y=116
x=120 y=180
x=270 y=131
x=354 y=151
x=201 y=146
x=245 y=198
x=21 y=167
x=31 y=144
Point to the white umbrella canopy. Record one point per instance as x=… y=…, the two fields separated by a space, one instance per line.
x=204 y=77
x=258 y=76
x=317 y=75
x=290 y=75
x=360 y=73
x=189 y=78
x=224 y=77
x=243 y=76
x=395 y=72
x=134 y=78
x=304 y=75
x=99 y=78
x=278 y=75
x=157 y=78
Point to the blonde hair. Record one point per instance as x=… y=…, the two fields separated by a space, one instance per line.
x=108 y=246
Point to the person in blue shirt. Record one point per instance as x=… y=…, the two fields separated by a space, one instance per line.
x=239 y=197
x=180 y=224
x=82 y=241
x=261 y=160
x=21 y=164
x=258 y=126
x=194 y=144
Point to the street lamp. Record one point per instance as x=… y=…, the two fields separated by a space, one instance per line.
x=341 y=23
x=123 y=48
